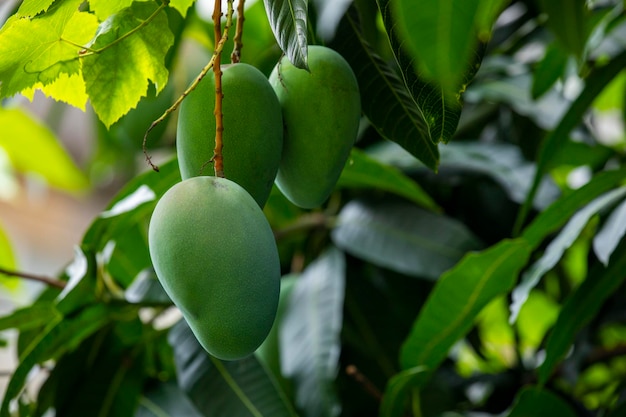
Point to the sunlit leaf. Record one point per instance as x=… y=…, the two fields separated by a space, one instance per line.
x=105 y=8
x=181 y=5
x=537 y=402
x=310 y=331
x=33 y=149
x=611 y=233
x=137 y=59
x=458 y=297
x=402 y=237
x=288 y=20
x=68 y=89
x=30 y=8
x=7 y=260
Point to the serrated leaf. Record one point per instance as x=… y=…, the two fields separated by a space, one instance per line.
x=309 y=334
x=558 y=246
x=611 y=233
x=38 y=50
x=288 y=20
x=385 y=99
x=396 y=391
x=105 y=8
x=402 y=237
x=537 y=402
x=579 y=308
x=441 y=111
x=117 y=77
x=33 y=149
x=457 y=299
x=238 y=388
x=66 y=88
x=181 y=5
x=166 y=400
x=362 y=171
x=30 y=8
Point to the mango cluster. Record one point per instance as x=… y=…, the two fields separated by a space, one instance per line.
x=210 y=243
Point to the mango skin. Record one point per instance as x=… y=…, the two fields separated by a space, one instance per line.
x=215 y=255
x=253 y=130
x=321 y=113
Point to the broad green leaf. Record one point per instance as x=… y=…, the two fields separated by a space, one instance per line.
x=238 y=388
x=402 y=237
x=595 y=83
x=486 y=16
x=33 y=149
x=397 y=390
x=362 y=171
x=137 y=59
x=80 y=289
x=182 y=5
x=288 y=20
x=33 y=316
x=567 y=20
x=7 y=260
x=30 y=8
x=579 y=308
x=548 y=70
x=440 y=112
x=130 y=255
x=385 y=99
x=532 y=331
x=611 y=233
x=59 y=336
x=310 y=334
x=166 y=400
x=457 y=299
x=558 y=246
x=440 y=35
x=38 y=50
x=66 y=88
x=105 y=8
x=537 y=402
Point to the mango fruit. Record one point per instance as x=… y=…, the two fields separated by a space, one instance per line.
x=215 y=255
x=321 y=113
x=253 y=130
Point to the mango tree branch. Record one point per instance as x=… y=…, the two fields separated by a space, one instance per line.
x=219 y=47
x=235 y=56
x=39 y=278
x=218 y=160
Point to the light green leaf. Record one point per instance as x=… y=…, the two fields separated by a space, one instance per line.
x=38 y=50
x=536 y=402
x=488 y=12
x=397 y=390
x=579 y=308
x=441 y=37
x=458 y=298
x=30 y=8
x=35 y=315
x=362 y=171
x=181 y=5
x=385 y=99
x=611 y=233
x=105 y=8
x=556 y=248
x=69 y=89
x=118 y=76
x=402 y=237
x=310 y=334
x=288 y=19
x=33 y=149
x=7 y=260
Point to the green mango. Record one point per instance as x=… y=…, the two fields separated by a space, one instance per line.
x=321 y=112
x=215 y=255
x=252 y=136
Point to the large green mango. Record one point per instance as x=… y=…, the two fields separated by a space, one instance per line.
x=253 y=130
x=215 y=255
x=321 y=112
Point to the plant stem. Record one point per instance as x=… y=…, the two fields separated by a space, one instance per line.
x=194 y=84
x=218 y=160
x=32 y=277
x=235 y=56
x=365 y=382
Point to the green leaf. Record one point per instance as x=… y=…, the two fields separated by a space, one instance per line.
x=549 y=70
x=385 y=99
x=555 y=250
x=567 y=20
x=166 y=400
x=362 y=171
x=288 y=20
x=182 y=5
x=38 y=50
x=33 y=149
x=7 y=260
x=146 y=289
x=440 y=35
x=402 y=237
x=105 y=8
x=579 y=308
x=59 y=336
x=238 y=388
x=136 y=60
x=611 y=233
x=30 y=8
x=440 y=112
x=457 y=299
x=398 y=389
x=309 y=334
x=33 y=316
x=537 y=402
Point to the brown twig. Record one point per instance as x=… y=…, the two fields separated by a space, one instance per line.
x=53 y=282
x=235 y=56
x=219 y=47
x=218 y=160
x=364 y=381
